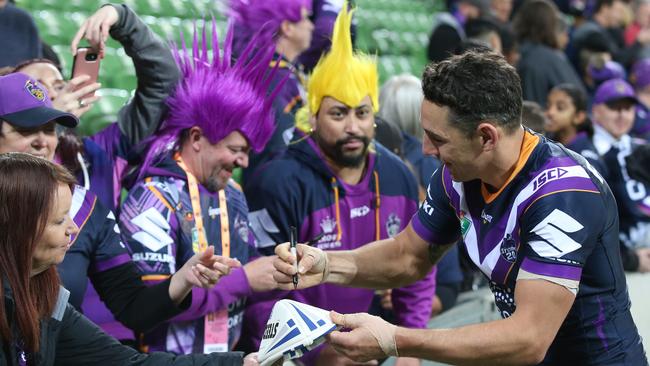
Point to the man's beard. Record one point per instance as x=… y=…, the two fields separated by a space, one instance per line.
x=213 y=185
x=214 y=182
x=336 y=153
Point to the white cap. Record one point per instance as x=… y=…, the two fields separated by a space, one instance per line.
x=293 y=329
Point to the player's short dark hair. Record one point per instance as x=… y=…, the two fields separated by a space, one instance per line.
x=476 y=87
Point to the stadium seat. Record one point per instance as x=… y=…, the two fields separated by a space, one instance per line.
x=117 y=70
x=55 y=27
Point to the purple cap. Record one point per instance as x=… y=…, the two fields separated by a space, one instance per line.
x=640 y=75
x=613 y=90
x=25 y=103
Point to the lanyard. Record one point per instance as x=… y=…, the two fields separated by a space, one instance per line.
x=201 y=239
x=215 y=324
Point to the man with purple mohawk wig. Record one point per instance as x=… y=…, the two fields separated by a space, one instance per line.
x=184 y=200
x=286 y=24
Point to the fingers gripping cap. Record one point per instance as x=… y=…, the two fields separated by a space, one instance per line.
x=293 y=329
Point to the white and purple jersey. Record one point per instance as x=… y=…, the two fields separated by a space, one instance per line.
x=554 y=219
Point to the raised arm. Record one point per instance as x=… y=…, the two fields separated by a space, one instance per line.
x=155 y=68
x=156 y=72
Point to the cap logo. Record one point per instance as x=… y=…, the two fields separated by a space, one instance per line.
x=620 y=88
x=35 y=90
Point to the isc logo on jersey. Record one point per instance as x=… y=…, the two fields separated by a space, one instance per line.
x=547 y=176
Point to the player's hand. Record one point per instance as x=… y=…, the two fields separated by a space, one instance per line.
x=69 y=99
x=260 y=274
x=370 y=337
x=312 y=266
x=95 y=29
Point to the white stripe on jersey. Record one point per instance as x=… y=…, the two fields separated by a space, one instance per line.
x=471 y=238
x=77 y=200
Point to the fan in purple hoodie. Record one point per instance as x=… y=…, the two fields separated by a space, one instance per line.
x=184 y=200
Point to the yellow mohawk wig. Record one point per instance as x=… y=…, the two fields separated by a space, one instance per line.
x=342 y=74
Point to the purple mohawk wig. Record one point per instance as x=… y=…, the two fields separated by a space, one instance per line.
x=252 y=15
x=218 y=95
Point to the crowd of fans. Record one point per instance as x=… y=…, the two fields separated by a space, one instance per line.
x=284 y=99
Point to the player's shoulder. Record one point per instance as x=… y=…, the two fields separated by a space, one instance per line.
x=551 y=161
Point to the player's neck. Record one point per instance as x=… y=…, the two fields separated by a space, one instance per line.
x=504 y=162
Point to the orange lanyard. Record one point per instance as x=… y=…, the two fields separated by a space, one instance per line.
x=200 y=243
x=338 y=210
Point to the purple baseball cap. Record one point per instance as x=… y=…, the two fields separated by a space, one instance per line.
x=613 y=90
x=640 y=75
x=25 y=103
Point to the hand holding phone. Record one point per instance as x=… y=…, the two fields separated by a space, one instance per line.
x=86 y=62
x=96 y=29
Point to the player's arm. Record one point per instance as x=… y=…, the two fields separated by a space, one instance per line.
x=522 y=338
x=387 y=263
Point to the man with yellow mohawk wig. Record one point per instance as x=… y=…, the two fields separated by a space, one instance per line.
x=337 y=190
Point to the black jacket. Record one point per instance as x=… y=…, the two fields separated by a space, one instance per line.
x=69 y=338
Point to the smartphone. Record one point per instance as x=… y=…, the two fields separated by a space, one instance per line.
x=86 y=62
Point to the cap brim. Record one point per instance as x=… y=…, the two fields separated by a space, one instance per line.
x=38 y=116
x=629 y=98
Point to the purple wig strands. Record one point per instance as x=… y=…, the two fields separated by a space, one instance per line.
x=218 y=96
x=252 y=15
